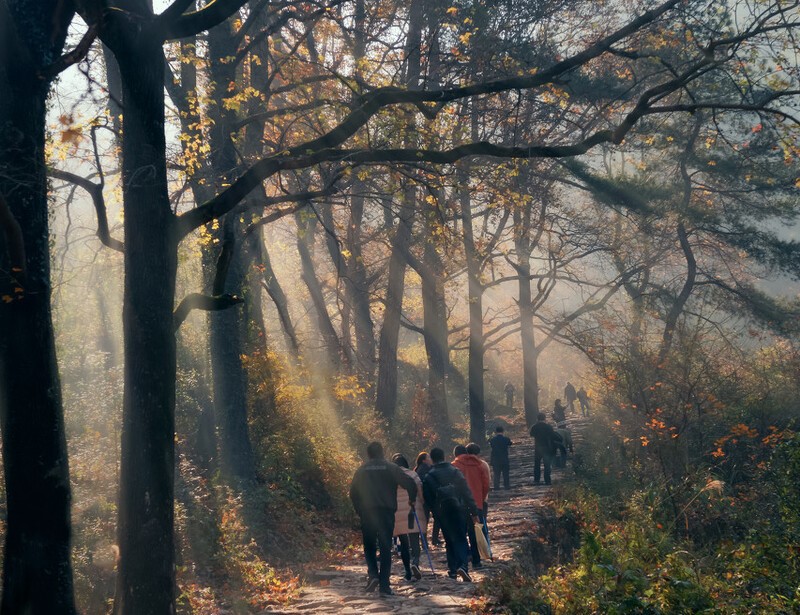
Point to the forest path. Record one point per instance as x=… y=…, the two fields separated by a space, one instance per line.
x=339 y=588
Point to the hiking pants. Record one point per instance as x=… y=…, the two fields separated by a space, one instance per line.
x=409 y=550
x=377 y=526
x=498 y=469
x=561 y=457
x=454 y=528
x=538 y=458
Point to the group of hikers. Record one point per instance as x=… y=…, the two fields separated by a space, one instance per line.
x=396 y=502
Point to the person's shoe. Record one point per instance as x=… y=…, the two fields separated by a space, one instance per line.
x=386 y=591
x=547 y=483
x=464 y=575
x=477 y=565
x=372 y=585
x=416 y=572
x=537 y=483
x=436 y=543
x=408 y=576
x=452 y=575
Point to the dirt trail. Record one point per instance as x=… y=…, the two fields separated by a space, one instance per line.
x=512 y=513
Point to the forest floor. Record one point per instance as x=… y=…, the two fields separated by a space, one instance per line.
x=338 y=586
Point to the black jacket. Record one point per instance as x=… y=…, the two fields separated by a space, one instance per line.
x=445 y=474
x=499 y=444
x=544 y=437
x=375 y=486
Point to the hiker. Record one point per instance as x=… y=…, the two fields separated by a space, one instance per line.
x=476 y=473
x=374 y=496
x=509 y=391
x=559 y=414
x=571 y=395
x=499 y=457
x=405 y=525
x=460 y=449
x=449 y=496
x=422 y=467
x=583 y=398
x=564 y=446
x=545 y=438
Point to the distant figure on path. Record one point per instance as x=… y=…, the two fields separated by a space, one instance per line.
x=571 y=395
x=545 y=439
x=499 y=457
x=476 y=473
x=509 y=390
x=583 y=398
x=566 y=445
x=405 y=525
x=448 y=496
x=374 y=496
x=559 y=414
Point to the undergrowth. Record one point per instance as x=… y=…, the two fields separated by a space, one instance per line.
x=729 y=548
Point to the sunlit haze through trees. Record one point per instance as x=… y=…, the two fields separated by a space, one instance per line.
x=241 y=240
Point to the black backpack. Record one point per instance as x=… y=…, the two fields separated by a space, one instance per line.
x=448 y=500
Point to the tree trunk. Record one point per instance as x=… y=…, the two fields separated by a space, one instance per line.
x=146 y=572
x=477 y=410
x=305 y=241
x=225 y=326
x=37 y=572
x=275 y=291
x=530 y=353
x=358 y=288
x=386 y=396
x=435 y=314
x=227 y=371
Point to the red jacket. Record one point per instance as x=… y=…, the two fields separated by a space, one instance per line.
x=476 y=472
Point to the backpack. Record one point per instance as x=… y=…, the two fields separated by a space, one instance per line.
x=448 y=500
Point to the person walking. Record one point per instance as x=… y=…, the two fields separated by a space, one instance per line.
x=571 y=395
x=559 y=413
x=583 y=398
x=500 y=444
x=564 y=446
x=446 y=491
x=373 y=493
x=422 y=467
x=545 y=438
x=509 y=391
x=476 y=473
x=405 y=526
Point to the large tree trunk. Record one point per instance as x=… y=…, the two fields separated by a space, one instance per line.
x=386 y=396
x=37 y=573
x=435 y=314
x=305 y=243
x=146 y=572
x=225 y=326
x=477 y=411
x=358 y=288
x=227 y=370
x=530 y=353
x=274 y=289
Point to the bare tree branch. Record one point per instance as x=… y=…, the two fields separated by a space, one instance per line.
x=173 y=23
x=320 y=149
x=96 y=192
x=71 y=57
x=197 y=301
